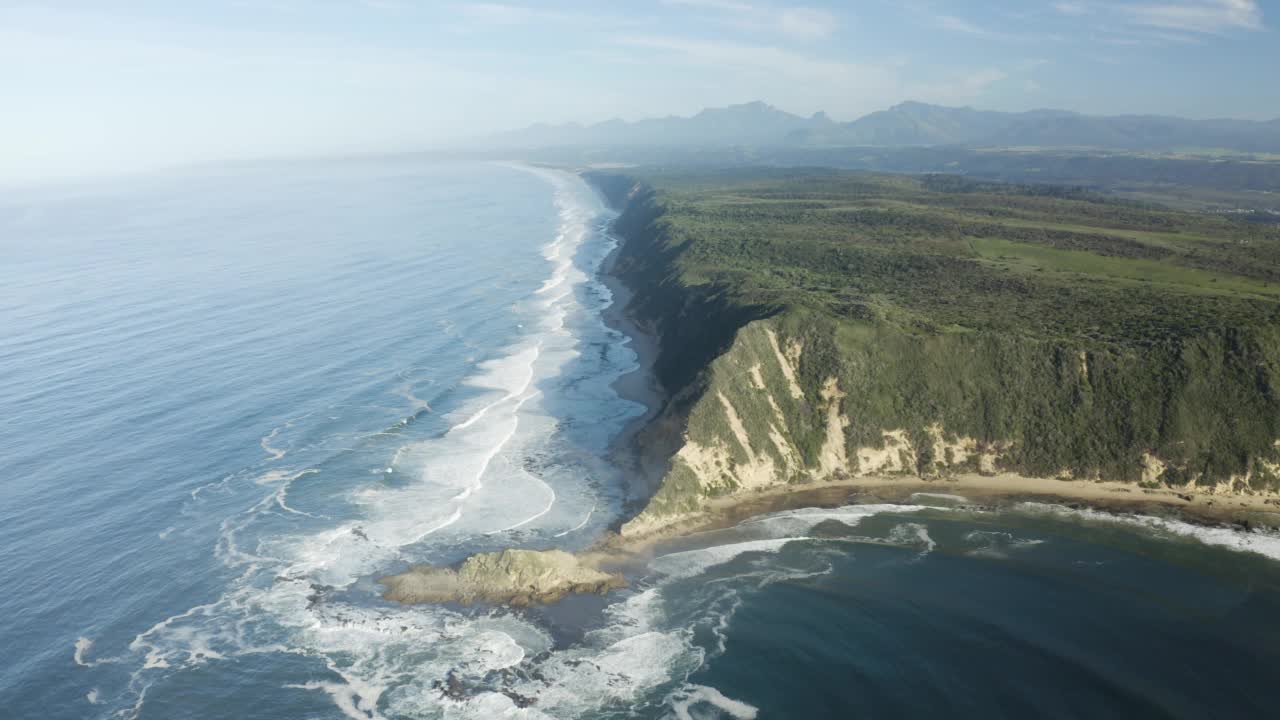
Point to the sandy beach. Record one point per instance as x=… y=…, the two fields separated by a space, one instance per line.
x=639 y=385
x=1243 y=512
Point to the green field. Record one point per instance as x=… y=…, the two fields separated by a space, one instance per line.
x=936 y=253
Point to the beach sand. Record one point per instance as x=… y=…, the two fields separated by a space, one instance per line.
x=1003 y=490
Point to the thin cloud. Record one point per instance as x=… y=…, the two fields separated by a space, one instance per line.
x=960 y=25
x=807 y=24
x=959 y=88
x=721 y=5
x=500 y=14
x=1076 y=9
x=470 y=18
x=1166 y=20
x=1205 y=16
x=964 y=26
x=800 y=23
x=746 y=56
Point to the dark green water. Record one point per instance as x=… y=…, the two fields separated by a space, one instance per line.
x=944 y=614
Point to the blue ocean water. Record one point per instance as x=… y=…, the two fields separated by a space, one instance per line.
x=234 y=398
x=230 y=392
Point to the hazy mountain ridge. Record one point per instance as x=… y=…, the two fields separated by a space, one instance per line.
x=909 y=124
x=754 y=123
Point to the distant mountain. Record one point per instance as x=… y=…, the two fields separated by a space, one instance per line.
x=913 y=123
x=754 y=123
x=908 y=124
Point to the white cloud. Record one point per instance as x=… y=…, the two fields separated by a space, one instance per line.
x=959 y=88
x=807 y=24
x=711 y=73
x=756 y=57
x=1076 y=9
x=721 y=5
x=498 y=13
x=804 y=83
x=1198 y=16
x=952 y=23
x=800 y=23
x=1204 y=17
x=960 y=25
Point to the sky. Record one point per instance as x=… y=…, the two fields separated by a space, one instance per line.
x=103 y=86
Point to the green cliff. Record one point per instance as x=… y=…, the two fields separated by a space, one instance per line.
x=818 y=325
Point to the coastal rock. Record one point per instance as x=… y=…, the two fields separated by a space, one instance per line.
x=514 y=577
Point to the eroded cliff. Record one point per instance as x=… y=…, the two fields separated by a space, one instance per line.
x=771 y=394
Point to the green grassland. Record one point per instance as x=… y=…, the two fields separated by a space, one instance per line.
x=1077 y=330
x=938 y=254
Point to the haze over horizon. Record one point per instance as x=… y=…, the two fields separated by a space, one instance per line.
x=133 y=85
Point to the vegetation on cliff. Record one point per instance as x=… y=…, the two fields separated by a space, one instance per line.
x=934 y=323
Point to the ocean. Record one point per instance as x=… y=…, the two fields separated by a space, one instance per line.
x=236 y=397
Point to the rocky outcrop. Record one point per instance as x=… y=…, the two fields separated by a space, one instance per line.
x=515 y=577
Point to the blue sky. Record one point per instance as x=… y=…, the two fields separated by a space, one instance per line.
x=93 y=86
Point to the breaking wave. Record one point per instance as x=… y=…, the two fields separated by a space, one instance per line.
x=302 y=560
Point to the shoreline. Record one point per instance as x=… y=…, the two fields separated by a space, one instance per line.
x=620 y=555
x=638 y=385
x=997 y=491
x=1243 y=513
x=616 y=560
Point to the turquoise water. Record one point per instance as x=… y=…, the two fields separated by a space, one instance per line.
x=235 y=398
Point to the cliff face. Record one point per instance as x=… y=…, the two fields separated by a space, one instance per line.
x=767 y=396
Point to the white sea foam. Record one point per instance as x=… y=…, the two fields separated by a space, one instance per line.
x=445 y=491
x=684 y=700
x=275 y=453
x=798 y=522
x=690 y=563
x=913 y=534
x=925 y=498
x=997 y=544
x=83 y=645
x=580 y=525
x=1259 y=542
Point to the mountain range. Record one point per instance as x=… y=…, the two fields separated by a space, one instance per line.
x=908 y=124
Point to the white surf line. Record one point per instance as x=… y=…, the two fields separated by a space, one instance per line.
x=560 y=275
x=537 y=351
x=522 y=395
x=484 y=467
x=544 y=510
x=280 y=497
x=580 y=525
x=455 y=517
x=497 y=448
x=1266 y=544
